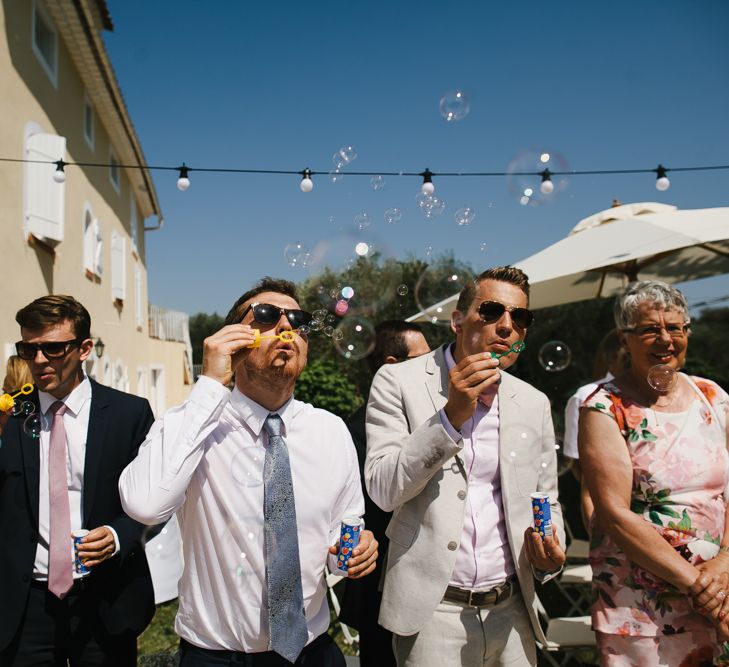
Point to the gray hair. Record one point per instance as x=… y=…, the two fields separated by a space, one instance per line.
x=655 y=292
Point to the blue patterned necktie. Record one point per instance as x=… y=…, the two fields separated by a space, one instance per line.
x=286 y=619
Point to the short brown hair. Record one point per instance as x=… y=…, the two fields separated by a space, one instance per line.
x=265 y=284
x=504 y=274
x=54 y=309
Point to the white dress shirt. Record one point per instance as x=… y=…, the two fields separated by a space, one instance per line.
x=572 y=415
x=76 y=425
x=484 y=557
x=204 y=460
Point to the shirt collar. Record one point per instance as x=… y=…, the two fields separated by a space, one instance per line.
x=74 y=401
x=254 y=414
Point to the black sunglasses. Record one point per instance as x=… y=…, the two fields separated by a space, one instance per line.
x=492 y=311
x=51 y=350
x=267 y=313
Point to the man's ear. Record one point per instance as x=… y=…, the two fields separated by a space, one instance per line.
x=85 y=348
x=456 y=319
x=391 y=359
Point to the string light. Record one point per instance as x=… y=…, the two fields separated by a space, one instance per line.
x=183 y=182
x=427 y=188
x=547 y=187
x=306 y=185
x=662 y=182
x=59 y=176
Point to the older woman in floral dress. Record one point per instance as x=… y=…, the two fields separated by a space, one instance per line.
x=653 y=448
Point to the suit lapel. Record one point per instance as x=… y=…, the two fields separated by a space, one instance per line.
x=509 y=421
x=95 y=439
x=30 y=453
x=436 y=378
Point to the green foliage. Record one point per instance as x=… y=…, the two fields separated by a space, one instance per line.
x=160 y=636
x=202 y=325
x=708 y=352
x=324 y=386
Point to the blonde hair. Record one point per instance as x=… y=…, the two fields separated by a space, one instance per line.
x=17 y=374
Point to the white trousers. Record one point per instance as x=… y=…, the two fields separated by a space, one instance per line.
x=457 y=634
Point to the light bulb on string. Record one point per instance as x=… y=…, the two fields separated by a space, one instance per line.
x=547 y=187
x=427 y=188
x=59 y=176
x=306 y=185
x=183 y=182
x=662 y=182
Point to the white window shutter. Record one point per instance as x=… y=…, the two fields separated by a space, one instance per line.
x=45 y=199
x=89 y=243
x=118 y=266
x=133 y=223
x=98 y=249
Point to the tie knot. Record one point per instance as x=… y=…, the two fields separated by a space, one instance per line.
x=58 y=408
x=273 y=425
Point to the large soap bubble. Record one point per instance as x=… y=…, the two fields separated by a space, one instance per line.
x=555 y=356
x=355 y=338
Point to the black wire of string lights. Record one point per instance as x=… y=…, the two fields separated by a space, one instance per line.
x=427 y=187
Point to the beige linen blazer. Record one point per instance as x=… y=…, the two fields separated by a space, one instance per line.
x=415 y=470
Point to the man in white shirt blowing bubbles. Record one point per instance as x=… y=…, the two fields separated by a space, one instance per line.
x=260 y=483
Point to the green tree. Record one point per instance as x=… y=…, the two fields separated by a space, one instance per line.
x=324 y=386
x=202 y=325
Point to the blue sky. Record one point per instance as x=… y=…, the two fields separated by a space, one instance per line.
x=284 y=85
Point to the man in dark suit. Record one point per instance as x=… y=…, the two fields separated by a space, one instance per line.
x=62 y=480
x=395 y=341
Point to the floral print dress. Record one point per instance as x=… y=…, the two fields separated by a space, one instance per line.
x=680 y=473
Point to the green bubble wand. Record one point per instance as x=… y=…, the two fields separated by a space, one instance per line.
x=518 y=346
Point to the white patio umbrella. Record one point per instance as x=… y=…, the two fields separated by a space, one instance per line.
x=604 y=252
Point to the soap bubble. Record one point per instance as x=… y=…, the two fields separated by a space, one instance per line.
x=430 y=205
x=297 y=255
x=328 y=330
x=524 y=181
x=23 y=408
x=377 y=182
x=336 y=176
x=341 y=307
x=246 y=467
x=347 y=153
x=338 y=334
x=347 y=292
x=356 y=338
x=362 y=220
x=484 y=245
x=662 y=377
x=555 y=356
x=393 y=215
x=402 y=290
x=32 y=425
x=428 y=250
x=464 y=216
x=454 y=105
x=440 y=281
x=362 y=249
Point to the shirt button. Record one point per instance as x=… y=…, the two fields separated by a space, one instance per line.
x=461 y=494
x=452 y=546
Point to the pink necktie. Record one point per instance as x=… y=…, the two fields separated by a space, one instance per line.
x=60 y=564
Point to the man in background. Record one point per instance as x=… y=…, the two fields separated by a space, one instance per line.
x=396 y=341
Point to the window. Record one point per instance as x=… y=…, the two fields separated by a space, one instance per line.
x=133 y=223
x=44 y=198
x=88 y=122
x=45 y=41
x=114 y=170
x=138 y=310
x=93 y=246
x=118 y=267
x=121 y=377
x=142 y=374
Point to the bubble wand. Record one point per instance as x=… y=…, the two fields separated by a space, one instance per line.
x=286 y=336
x=7 y=401
x=518 y=346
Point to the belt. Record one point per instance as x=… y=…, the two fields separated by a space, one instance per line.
x=79 y=585
x=490 y=598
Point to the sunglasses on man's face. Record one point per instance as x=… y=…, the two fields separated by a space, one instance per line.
x=51 y=350
x=267 y=313
x=492 y=311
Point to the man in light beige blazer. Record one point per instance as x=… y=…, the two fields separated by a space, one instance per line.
x=455 y=447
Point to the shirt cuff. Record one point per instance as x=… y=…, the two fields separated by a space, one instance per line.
x=452 y=432
x=208 y=392
x=116 y=541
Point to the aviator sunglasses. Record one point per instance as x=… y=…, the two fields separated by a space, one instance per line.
x=267 y=313
x=51 y=350
x=492 y=311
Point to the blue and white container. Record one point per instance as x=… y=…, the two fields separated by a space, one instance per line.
x=352 y=527
x=79 y=535
x=542 y=514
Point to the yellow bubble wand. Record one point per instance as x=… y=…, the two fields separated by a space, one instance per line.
x=286 y=336
x=7 y=401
